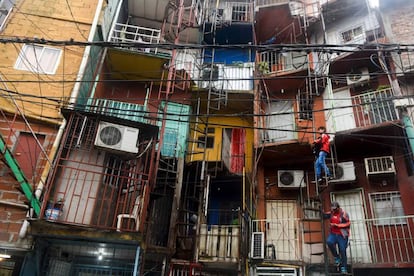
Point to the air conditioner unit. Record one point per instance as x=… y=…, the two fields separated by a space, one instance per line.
x=257 y=248
x=117 y=137
x=290 y=179
x=344 y=172
x=357 y=76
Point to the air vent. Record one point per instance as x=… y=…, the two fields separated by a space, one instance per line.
x=257 y=247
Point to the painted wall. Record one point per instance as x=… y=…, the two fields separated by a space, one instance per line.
x=53 y=21
x=195 y=153
x=11 y=217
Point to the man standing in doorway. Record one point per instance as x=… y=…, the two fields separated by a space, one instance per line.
x=339 y=234
x=322 y=142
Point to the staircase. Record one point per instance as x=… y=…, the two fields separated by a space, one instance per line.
x=314 y=239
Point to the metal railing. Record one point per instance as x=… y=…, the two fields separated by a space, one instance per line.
x=387 y=240
x=389 y=243
x=374 y=107
x=267 y=3
x=228 y=12
x=220 y=238
x=282 y=238
x=125 y=33
x=219 y=243
x=123 y=110
x=227 y=77
x=274 y=61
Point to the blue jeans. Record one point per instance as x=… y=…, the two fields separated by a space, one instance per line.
x=320 y=164
x=342 y=242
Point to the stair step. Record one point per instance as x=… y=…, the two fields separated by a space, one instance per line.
x=311 y=209
x=318 y=253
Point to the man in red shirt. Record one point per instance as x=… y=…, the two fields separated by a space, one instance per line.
x=339 y=234
x=323 y=144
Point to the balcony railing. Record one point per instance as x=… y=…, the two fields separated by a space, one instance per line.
x=268 y=3
x=229 y=12
x=387 y=241
x=374 y=108
x=282 y=238
x=219 y=243
x=227 y=77
x=125 y=33
x=123 y=110
x=276 y=62
x=219 y=240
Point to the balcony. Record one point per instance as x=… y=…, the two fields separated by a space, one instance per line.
x=220 y=240
x=363 y=110
x=271 y=62
x=126 y=33
x=227 y=77
x=270 y=3
x=387 y=241
x=122 y=110
x=229 y=12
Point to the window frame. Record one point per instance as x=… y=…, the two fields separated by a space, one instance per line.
x=207 y=140
x=378 y=215
x=351 y=31
x=24 y=64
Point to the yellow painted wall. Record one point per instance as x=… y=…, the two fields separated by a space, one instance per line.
x=51 y=20
x=214 y=154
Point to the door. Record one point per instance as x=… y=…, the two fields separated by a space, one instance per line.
x=27 y=152
x=281 y=121
x=282 y=230
x=352 y=202
x=343 y=116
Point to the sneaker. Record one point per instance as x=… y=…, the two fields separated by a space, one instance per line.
x=319 y=180
x=329 y=177
x=343 y=270
x=337 y=260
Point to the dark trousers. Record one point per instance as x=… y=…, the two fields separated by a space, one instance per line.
x=335 y=240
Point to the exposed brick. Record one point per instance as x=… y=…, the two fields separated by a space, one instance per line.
x=10 y=196
x=14 y=227
x=4 y=236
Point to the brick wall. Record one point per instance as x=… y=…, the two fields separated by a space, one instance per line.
x=400 y=25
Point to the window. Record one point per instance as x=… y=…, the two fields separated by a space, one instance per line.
x=116 y=172
x=38 y=59
x=352 y=34
x=305 y=106
x=387 y=208
x=207 y=141
x=239 y=13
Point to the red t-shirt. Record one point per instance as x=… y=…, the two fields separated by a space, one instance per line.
x=335 y=218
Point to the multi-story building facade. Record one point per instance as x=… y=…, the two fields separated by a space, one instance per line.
x=36 y=80
x=355 y=93
x=185 y=147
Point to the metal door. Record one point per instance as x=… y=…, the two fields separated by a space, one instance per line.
x=353 y=203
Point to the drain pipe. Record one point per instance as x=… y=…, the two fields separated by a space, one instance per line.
x=408 y=126
x=72 y=100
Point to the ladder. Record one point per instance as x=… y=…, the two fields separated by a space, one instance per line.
x=11 y=162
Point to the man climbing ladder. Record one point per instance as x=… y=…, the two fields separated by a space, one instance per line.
x=337 y=240
x=322 y=143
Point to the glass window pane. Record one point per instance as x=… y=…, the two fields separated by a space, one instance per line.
x=38 y=59
x=49 y=60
